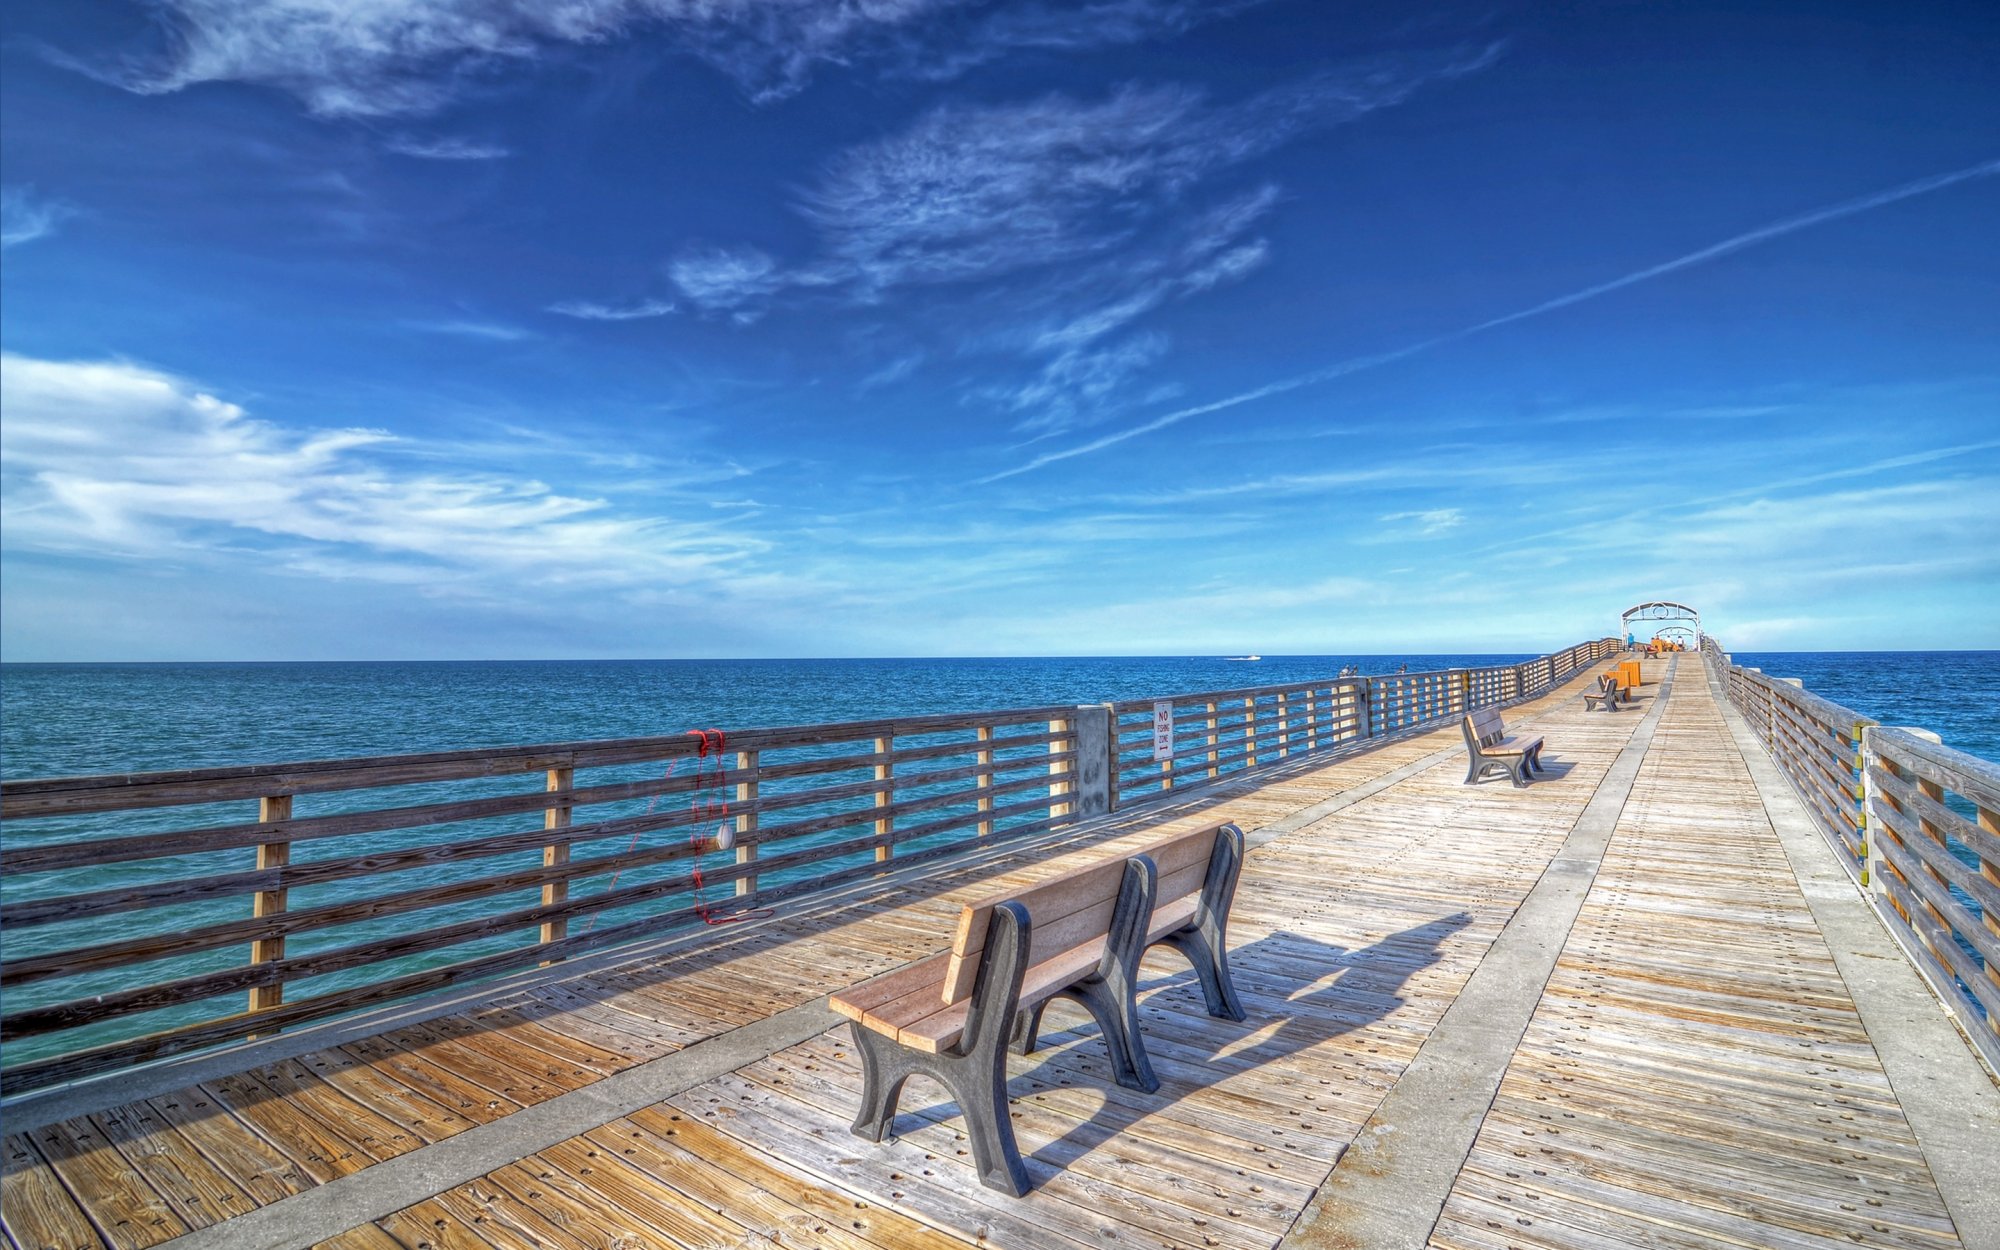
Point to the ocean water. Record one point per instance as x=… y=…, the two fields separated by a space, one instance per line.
x=74 y=719
x=1954 y=694
x=71 y=719
x=79 y=719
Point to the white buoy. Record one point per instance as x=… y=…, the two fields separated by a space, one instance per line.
x=725 y=836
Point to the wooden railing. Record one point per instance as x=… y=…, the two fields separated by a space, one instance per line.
x=1934 y=859
x=151 y=914
x=1818 y=746
x=1914 y=822
x=1165 y=744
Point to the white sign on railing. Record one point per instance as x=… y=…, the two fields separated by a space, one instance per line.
x=1163 y=729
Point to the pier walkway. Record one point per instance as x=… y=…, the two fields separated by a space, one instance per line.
x=1634 y=1004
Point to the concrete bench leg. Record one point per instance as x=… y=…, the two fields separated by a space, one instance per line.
x=1111 y=994
x=1205 y=942
x=975 y=1072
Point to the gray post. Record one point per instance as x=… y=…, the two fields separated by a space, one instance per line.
x=1095 y=777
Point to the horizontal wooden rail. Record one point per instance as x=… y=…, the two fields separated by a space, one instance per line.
x=1914 y=822
x=1933 y=822
x=149 y=914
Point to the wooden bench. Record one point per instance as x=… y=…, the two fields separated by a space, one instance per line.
x=1606 y=697
x=1197 y=883
x=1080 y=935
x=1489 y=747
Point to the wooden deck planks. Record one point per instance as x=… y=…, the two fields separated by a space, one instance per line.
x=1695 y=1073
x=1693 y=985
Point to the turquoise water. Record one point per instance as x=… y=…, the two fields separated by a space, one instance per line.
x=69 y=719
x=1954 y=694
x=73 y=719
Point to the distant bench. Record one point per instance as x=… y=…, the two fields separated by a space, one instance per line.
x=1080 y=935
x=1608 y=695
x=1489 y=748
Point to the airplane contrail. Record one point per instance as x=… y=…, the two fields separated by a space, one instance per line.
x=1833 y=212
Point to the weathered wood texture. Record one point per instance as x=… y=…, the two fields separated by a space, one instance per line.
x=290 y=1126
x=1695 y=1073
x=1934 y=860
x=1916 y=822
x=356 y=882
x=1815 y=742
x=1694 y=1030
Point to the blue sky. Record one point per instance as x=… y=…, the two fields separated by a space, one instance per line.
x=455 y=329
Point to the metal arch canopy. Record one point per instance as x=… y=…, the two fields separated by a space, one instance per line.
x=1685 y=617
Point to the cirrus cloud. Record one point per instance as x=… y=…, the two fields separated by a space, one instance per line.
x=410 y=57
x=112 y=459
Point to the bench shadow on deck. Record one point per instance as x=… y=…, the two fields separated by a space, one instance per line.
x=701 y=1096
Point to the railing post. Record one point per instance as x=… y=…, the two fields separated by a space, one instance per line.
x=556 y=854
x=1312 y=719
x=1250 y=732
x=1284 y=726
x=885 y=792
x=1094 y=771
x=1858 y=795
x=746 y=818
x=985 y=780
x=266 y=903
x=1061 y=735
x=1214 y=743
x=1874 y=867
x=1989 y=868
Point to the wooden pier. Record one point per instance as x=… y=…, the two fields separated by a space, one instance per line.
x=1640 y=1002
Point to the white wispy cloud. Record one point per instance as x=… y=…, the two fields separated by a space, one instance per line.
x=389 y=57
x=403 y=57
x=1429 y=522
x=112 y=459
x=971 y=193
x=499 y=332
x=447 y=148
x=893 y=372
x=26 y=216
x=728 y=279
x=1079 y=381
x=1749 y=238
x=948 y=49
x=587 y=310
x=1078 y=216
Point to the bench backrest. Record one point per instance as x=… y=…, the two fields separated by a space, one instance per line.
x=1076 y=907
x=1064 y=912
x=1182 y=861
x=1483 y=726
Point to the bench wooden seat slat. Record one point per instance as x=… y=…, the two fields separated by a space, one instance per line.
x=923 y=975
x=1488 y=746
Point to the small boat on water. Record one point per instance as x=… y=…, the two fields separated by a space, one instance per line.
x=1244 y=658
